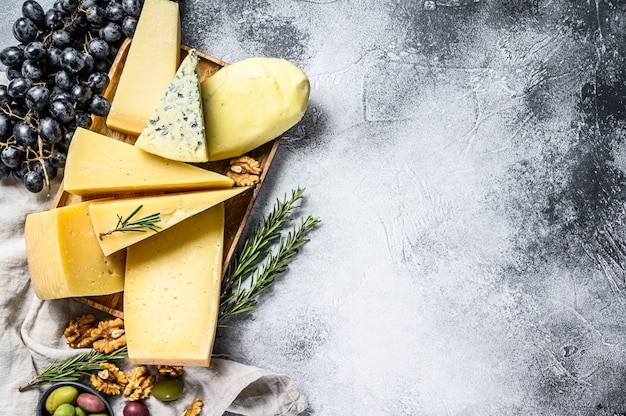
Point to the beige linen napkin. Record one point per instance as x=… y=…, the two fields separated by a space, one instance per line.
x=31 y=334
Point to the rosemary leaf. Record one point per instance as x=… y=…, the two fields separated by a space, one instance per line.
x=74 y=368
x=141 y=225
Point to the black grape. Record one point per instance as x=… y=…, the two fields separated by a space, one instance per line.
x=24 y=134
x=99 y=105
x=98 y=81
x=33 y=71
x=24 y=30
x=62 y=110
x=11 y=156
x=64 y=80
x=35 y=52
x=37 y=98
x=98 y=48
x=81 y=94
x=129 y=24
x=115 y=12
x=12 y=56
x=18 y=87
x=33 y=10
x=50 y=130
x=34 y=181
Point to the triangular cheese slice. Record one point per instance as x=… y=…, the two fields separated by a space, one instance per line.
x=167 y=210
x=97 y=164
x=176 y=128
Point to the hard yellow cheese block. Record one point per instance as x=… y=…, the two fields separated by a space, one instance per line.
x=64 y=257
x=251 y=102
x=150 y=65
x=170 y=209
x=98 y=164
x=172 y=291
x=176 y=128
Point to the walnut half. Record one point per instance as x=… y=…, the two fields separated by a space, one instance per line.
x=111 y=336
x=194 y=408
x=81 y=332
x=245 y=171
x=140 y=383
x=170 y=370
x=109 y=380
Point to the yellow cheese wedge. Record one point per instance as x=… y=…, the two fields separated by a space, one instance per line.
x=150 y=65
x=64 y=257
x=251 y=102
x=170 y=209
x=176 y=128
x=172 y=291
x=98 y=164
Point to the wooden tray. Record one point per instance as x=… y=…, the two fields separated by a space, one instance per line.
x=237 y=209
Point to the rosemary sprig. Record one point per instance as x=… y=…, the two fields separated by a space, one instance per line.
x=74 y=368
x=141 y=225
x=257 y=246
x=256 y=265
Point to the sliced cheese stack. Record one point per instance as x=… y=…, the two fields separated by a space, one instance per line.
x=172 y=291
x=176 y=128
x=170 y=209
x=98 y=164
x=251 y=102
x=150 y=65
x=64 y=257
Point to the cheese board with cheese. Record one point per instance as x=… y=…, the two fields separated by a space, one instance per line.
x=237 y=208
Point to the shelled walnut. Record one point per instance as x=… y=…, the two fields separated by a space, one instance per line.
x=170 y=370
x=81 y=332
x=140 y=382
x=244 y=170
x=111 y=336
x=109 y=380
x=194 y=408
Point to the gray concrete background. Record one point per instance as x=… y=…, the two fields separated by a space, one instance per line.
x=467 y=161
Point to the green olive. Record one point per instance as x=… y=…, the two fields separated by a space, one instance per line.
x=80 y=411
x=59 y=396
x=167 y=389
x=65 y=409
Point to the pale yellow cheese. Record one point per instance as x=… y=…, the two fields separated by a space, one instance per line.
x=172 y=291
x=98 y=164
x=151 y=63
x=64 y=257
x=176 y=128
x=251 y=102
x=170 y=208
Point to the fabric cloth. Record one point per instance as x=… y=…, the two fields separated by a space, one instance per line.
x=31 y=331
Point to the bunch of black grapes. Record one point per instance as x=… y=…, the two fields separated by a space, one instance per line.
x=56 y=76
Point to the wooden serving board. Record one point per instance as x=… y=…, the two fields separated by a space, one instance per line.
x=237 y=209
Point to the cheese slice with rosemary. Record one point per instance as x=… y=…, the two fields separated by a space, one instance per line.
x=172 y=292
x=176 y=128
x=120 y=223
x=97 y=164
x=64 y=257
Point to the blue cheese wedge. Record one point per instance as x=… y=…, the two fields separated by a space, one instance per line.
x=176 y=128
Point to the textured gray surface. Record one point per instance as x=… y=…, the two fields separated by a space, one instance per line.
x=467 y=160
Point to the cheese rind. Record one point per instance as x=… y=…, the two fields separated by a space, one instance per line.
x=64 y=257
x=151 y=63
x=176 y=128
x=171 y=208
x=251 y=102
x=172 y=291
x=98 y=164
